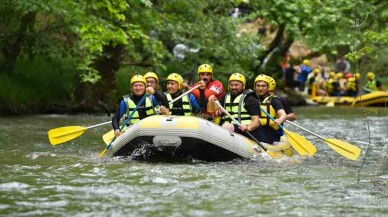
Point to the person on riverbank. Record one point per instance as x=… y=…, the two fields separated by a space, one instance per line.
x=269 y=130
x=342 y=65
x=290 y=77
x=130 y=102
x=303 y=73
x=242 y=104
x=211 y=87
x=187 y=105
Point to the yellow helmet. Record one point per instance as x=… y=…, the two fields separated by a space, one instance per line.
x=332 y=74
x=339 y=75
x=205 y=68
x=271 y=84
x=151 y=75
x=306 y=62
x=352 y=79
x=137 y=78
x=316 y=71
x=357 y=76
x=176 y=77
x=237 y=77
x=370 y=75
x=264 y=78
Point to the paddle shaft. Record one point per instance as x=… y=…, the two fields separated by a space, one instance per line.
x=249 y=134
x=97 y=125
x=184 y=94
x=270 y=116
x=127 y=120
x=305 y=129
x=299 y=143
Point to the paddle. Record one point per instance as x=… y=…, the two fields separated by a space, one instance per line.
x=298 y=142
x=330 y=104
x=63 y=134
x=343 y=148
x=123 y=125
x=270 y=153
x=107 y=137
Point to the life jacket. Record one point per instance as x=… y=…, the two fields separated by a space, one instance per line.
x=149 y=107
x=185 y=108
x=371 y=85
x=351 y=86
x=236 y=108
x=264 y=119
x=329 y=85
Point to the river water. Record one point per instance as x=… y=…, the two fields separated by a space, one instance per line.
x=38 y=179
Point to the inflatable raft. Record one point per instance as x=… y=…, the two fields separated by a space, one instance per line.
x=378 y=98
x=180 y=137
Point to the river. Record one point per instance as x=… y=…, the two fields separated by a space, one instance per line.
x=38 y=179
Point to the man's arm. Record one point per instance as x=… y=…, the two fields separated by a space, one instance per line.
x=281 y=115
x=215 y=88
x=116 y=118
x=161 y=98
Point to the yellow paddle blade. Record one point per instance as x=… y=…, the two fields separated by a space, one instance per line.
x=345 y=149
x=330 y=104
x=269 y=152
x=274 y=154
x=102 y=154
x=107 y=137
x=63 y=134
x=300 y=144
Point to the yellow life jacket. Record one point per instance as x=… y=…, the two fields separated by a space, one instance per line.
x=371 y=85
x=329 y=85
x=351 y=86
x=264 y=119
x=131 y=106
x=236 y=108
x=186 y=105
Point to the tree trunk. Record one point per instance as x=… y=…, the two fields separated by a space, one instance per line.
x=15 y=44
x=102 y=95
x=274 y=44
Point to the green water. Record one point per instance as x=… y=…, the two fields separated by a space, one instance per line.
x=38 y=179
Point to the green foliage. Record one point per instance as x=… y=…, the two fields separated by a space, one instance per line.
x=148 y=31
x=40 y=81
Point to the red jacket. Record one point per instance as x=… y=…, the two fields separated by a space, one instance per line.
x=214 y=87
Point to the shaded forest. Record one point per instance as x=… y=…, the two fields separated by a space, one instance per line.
x=77 y=56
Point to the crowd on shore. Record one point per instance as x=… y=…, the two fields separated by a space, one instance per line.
x=322 y=81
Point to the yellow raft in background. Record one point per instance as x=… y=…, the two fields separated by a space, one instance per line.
x=179 y=137
x=378 y=98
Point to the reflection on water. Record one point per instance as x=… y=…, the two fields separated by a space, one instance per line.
x=69 y=179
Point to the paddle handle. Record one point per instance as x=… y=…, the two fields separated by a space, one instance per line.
x=97 y=125
x=249 y=134
x=184 y=94
x=305 y=129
